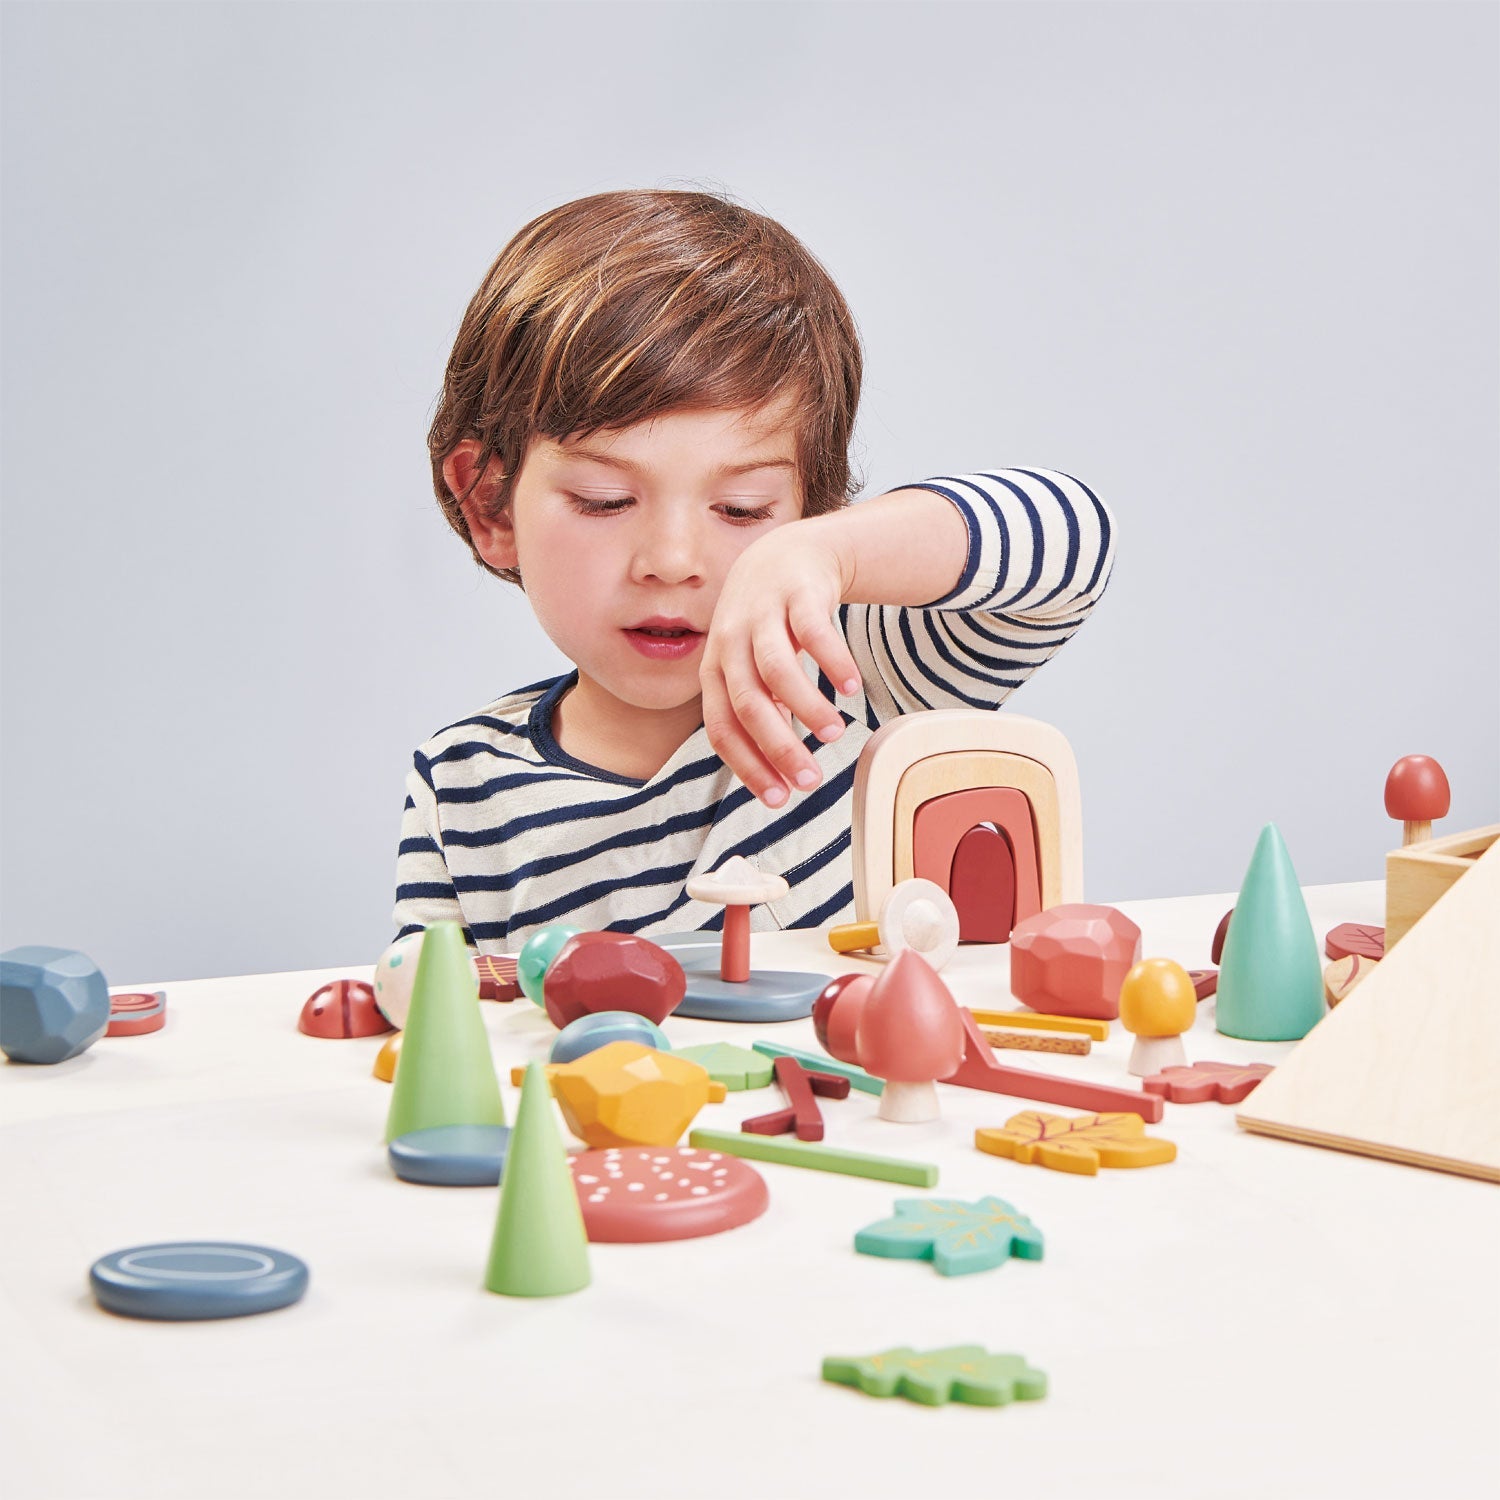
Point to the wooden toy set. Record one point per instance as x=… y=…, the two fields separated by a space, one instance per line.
x=967 y=829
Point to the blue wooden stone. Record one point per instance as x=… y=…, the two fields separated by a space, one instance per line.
x=451 y=1155
x=589 y=1033
x=54 y=1004
x=197 y=1279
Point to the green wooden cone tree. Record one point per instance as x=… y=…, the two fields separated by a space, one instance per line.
x=446 y=1075
x=1270 y=976
x=540 y=1247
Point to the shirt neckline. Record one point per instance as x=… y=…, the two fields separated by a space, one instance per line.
x=539 y=726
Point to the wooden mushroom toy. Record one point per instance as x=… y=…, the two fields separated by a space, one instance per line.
x=919 y=914
x=736 y=886
x=1157 y=1003
x=910 y=1034
x=1416 y=792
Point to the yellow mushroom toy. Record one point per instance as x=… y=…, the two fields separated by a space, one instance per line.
x=1157 y=1003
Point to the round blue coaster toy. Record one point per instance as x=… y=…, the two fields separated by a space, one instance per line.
x=196 y=1279
x=451 y=1155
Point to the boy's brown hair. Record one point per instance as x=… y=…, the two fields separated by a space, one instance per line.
x=620 y=307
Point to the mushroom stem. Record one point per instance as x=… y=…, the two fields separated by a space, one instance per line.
x=909 y=1103
x=734 y=951
x=1415 y=833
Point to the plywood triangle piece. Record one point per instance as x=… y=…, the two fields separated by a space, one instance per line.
x=1408 y=1066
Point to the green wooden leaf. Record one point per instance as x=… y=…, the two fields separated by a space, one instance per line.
x=963 y=1372
x=956 y=1237
x=737 y=1068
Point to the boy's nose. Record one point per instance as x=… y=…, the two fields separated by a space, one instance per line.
x=669 y=554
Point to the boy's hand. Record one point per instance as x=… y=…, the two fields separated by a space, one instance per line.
x=778 y=600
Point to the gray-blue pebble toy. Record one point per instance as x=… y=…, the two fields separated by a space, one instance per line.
x=54 y=1004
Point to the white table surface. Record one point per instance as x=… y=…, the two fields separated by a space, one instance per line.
x=1256 y=1318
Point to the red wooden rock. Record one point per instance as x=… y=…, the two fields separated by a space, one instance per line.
x=1356 y=938
x=342 y=1009
x=835 y=1015
x=1071 y=960
x=630 y=1195
x=596 y=971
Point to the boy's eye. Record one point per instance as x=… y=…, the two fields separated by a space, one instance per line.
x=607 y=506
x=742 y=515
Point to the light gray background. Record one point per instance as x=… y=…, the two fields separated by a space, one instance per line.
x=1233 y=265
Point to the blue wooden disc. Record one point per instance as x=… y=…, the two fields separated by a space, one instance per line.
x=451 y=1155
x=196 y=1279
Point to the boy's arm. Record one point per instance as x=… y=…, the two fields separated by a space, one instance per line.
x=950 y=592
x=424 y=886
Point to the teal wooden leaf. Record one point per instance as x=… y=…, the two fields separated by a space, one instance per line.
x=957 y=1237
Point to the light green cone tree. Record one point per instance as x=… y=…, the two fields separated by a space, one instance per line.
x=446 y=1075
x=540 y=1247
x=1270 y=976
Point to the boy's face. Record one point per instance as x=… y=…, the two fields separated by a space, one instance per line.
x=623 y=539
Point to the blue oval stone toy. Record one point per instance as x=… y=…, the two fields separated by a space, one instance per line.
x=197 y=1279
x=451 y=1155
x=589 y=1033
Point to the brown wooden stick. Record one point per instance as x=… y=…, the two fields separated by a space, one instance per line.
x=1031 y=1041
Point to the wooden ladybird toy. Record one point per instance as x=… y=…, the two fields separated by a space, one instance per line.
x=342 y=1009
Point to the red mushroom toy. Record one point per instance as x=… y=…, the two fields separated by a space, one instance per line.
x=1416 y=792
x=910 y=1034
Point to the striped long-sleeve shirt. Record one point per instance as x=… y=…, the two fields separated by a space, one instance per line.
x=505 y=832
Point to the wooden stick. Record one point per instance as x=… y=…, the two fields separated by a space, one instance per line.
x=819 y=1158
x=1029 y=1041
x=1035 y=1020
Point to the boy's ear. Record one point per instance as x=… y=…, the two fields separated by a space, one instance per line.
x=494 y=535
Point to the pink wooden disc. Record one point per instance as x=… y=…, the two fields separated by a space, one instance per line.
x=635 y=1194
x=137 y=1014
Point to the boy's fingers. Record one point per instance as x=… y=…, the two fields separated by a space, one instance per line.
x=817 y=635
x=782 y=673
x=754 y=705
x=733 y=744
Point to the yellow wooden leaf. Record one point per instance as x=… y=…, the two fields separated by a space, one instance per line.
x=1076 y=1143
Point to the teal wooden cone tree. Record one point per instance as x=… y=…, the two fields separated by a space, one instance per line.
x=1270 y=976
x=447 y=1075
x=540 y=1247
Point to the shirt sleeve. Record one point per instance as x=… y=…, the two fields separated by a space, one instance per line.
x=1041 y=547
x=424 y=886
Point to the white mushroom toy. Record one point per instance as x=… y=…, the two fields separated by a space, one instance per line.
x=919 y=914
x=736 y=886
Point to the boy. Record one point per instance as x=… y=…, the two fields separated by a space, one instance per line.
x=645 y=423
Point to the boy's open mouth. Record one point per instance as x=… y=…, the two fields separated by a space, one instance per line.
x=663 y=639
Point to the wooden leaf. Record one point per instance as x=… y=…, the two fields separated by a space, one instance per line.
x=1355 y=937
x=1227 y=1083
x=957 y=1237
x=964 y=1372
x=1076 y=1143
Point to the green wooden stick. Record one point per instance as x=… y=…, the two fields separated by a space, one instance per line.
x=864 y=1082
x=816 y=1158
